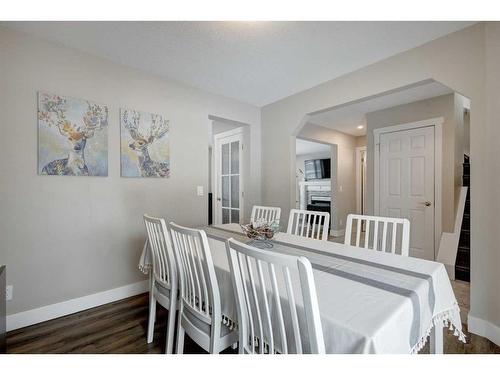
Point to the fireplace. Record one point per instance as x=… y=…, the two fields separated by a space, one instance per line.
x=319 y=203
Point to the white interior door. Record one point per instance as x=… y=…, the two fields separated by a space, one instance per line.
x=228 y=177
x=407 y=184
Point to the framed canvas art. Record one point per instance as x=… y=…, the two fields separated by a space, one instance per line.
x=145 y=148
x=72 y=136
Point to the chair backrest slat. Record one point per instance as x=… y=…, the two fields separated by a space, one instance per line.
x=399 y=241
x=196 y=268
x=297 y=222
x=203 y=278
x=313 y=217
x=261 y=273
x=256 y=303
x=164 y=268
x=199 y=289
x=188 y=271
x=267 y=310
x=394 y=235
x=266 y=214
x=367 y=233
x=310 y=224
x=384 y=238
x=244 y=299
x=293 y=310
x=358 y=231
x=313 y=320
x=277 y=304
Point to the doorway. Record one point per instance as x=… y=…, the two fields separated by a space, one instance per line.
x=407 y=182
x=316 y=176
x=228 y=176
x=361 y=180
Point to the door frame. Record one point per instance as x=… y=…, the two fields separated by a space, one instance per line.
x=359 y=151
x=437 y=123
x=216 y=171
x=334 y=157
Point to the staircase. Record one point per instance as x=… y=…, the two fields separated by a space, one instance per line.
x=462 y=264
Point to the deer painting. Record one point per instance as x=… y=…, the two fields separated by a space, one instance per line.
x=146 y=130
x=76 y=121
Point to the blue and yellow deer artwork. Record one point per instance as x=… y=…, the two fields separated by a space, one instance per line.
x=53 y=112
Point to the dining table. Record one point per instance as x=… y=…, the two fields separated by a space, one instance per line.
x=369 y=301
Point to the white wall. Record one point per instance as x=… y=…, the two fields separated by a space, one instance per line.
x=467 y=61
x=65 y=237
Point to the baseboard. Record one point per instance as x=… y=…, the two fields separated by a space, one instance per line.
x=483 y=328
x=42 y=314
x=337 y=233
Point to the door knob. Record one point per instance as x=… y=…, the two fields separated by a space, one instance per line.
x=427 y=204
x=218 y=199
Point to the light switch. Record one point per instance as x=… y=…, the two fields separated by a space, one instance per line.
x=199 y=190
x=340 y=188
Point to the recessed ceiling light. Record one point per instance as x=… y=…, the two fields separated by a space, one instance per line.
x=361 y=126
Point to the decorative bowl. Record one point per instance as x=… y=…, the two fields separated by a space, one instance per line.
x=261 y=233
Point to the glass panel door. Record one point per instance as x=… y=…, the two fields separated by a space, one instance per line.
x=230 y=182
x=228 y=179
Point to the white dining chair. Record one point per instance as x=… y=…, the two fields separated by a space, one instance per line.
x=266 y=214
x=164 y=284
x=200 y=313
x=310 y=224
x=269 y=318
x=380 y=233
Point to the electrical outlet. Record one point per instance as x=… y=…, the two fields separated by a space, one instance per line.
x=9 y=292
x=340 y=222
x=199 y=191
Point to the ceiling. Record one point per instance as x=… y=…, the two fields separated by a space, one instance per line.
x=254 y=62
x=347 y=118
x=303 y=147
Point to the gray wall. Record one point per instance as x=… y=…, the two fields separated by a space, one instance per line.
x=361 y=141
x=459 y=146
x=65 y=237
x=467 y=61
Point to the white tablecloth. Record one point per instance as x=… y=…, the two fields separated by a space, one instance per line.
x=370 y=302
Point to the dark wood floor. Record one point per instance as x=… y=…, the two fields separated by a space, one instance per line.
x=121 y=327
x=118 y=327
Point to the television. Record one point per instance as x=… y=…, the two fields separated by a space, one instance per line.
x=317 y=169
